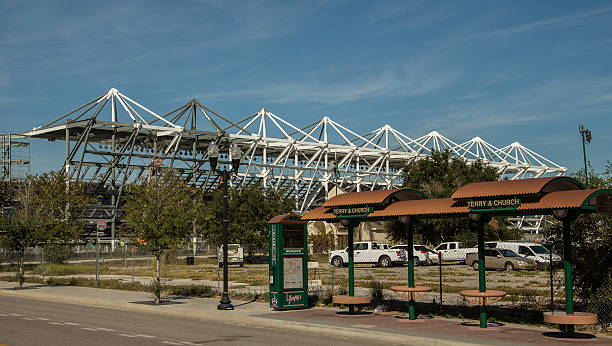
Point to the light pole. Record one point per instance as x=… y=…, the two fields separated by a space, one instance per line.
x=235 y=155
x=586 y=136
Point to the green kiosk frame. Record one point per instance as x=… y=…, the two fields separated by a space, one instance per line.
x=288 y=262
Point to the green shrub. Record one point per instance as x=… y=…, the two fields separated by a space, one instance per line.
x=601 y=301
x=58 y=253
x=191 y=291
x=376 y=291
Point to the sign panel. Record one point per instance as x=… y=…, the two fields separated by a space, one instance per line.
x=353 y=211
x=500 y=204
x=603 y=205
x=293 y=275
x=101 y=225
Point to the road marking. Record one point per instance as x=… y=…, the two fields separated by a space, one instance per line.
x=364 y=326
x=106 y=329
x=171 y=343
x=71 y=324
x=146 y=336
x=27 y=318
x=128 y=335
x=188 y=343
x=18 y=315
x=58 y=323
x=4 y=315
x=86 y=328
x=41 y=319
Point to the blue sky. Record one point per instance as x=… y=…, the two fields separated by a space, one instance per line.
x=506 y=71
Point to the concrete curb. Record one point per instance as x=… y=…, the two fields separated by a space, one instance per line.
x=242 y=319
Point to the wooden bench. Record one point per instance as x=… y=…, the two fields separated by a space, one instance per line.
x=561 y=317
x=411 y=293
x=482 y=298
x=351 y=301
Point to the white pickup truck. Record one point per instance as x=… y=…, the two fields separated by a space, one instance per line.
x=368 y=252
x=454 y=251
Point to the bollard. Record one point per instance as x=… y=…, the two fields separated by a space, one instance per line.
x=440 y=269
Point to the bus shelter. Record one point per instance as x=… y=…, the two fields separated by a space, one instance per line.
x=563 y=197
x=350 y=209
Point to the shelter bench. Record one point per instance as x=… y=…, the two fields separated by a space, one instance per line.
x=561 y=317
x=351 y=301
x=411 y=293
x=482 y=298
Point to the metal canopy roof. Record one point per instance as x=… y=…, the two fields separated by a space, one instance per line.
x=541 y=196
x=517 y=187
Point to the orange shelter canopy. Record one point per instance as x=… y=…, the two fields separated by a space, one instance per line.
x=507 y=197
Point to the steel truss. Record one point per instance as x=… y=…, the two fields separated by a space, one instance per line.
x=306 y=162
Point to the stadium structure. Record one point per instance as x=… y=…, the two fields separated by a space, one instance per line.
x=112 y=140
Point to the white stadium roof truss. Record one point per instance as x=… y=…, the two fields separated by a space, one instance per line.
x=133 y=141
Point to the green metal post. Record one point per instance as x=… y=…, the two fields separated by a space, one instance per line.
x=411 y=310
x=351 y=265
x=567 y=262
x=482 y=287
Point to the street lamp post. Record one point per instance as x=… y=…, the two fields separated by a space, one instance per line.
x=213 y=155
x=586 y=136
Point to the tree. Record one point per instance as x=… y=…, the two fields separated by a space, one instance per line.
x=592 y=240
x=439 y=175
x=46 y=211
x=323 y=241
x=159 y=215
x=249 y=210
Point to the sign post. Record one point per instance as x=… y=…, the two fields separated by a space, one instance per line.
x=100 y=227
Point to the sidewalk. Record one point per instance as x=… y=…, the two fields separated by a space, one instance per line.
x=323 y=321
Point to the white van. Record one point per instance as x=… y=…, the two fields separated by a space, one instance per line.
x=235 y=255
x=534 y=251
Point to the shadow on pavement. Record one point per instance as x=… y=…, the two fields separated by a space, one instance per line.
x=477 y=324
x=249 y=302
x=561 y=335
x=31 y=287
x=162 y=302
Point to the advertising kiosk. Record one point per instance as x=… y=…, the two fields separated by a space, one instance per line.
x=288 y=262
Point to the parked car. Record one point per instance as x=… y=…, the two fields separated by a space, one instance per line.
x=235 y=255
x=454 y=251
x=420 y=253
x=368 y=252
x=531 y=250
x=501 y=259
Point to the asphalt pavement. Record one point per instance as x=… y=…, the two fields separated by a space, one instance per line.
x=87 y=314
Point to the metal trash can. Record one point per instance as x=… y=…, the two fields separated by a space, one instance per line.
x=190 y=260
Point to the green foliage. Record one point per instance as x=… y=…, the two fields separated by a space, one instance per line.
x=160 y=215
x=249 y=210
x=439 y=175
x=376 y=291
x=191 y=291
x=591 y=239
x=45 y=211
x=322 y=241
x=601 y=301
x=58 y=253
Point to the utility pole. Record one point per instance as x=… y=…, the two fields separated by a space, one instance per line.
x=586 y=136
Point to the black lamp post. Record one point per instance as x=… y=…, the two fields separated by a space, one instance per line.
x=586 y=136
x=213 y=155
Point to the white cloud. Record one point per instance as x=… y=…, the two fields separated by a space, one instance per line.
x=563 y=21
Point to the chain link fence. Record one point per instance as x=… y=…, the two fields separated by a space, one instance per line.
x=529 y=292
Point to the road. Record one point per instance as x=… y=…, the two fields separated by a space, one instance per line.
x=34 y=322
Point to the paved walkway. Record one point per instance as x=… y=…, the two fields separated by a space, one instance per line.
x=323 y=321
